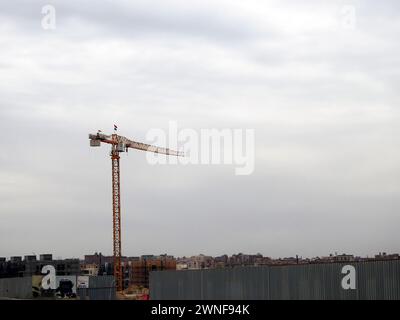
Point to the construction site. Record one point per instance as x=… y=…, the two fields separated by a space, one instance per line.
x=118 y=145
x=129 y=279
x=156 y=278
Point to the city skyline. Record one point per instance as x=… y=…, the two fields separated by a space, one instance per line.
x=326 y=255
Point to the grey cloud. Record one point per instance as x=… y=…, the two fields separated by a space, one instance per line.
x=126 y=19
x=323 y=103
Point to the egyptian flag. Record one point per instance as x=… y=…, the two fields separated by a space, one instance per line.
x=115 y=127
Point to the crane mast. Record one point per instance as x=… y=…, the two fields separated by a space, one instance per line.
x=121 y=144
x=116 y=197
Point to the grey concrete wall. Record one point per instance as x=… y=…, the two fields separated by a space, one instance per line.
x=374 y=280
x=100 y=288
x=18 y=288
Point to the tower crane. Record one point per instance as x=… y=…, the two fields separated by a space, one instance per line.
x=121 y=144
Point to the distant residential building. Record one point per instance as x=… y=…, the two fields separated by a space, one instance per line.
x=140 y=269
x=90 y=269
x=182 y=266
x=16 y=259
x=63 y=267
x=98 y=259
x=200 y=262
x=46 y=257
x=16 y=267
x=385 y=256
x=30 y=258
x=343 y=258
x=221 y=261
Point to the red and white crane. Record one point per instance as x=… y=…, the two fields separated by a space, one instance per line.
x=121 y=144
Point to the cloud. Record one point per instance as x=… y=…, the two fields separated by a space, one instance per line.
x=322 y=99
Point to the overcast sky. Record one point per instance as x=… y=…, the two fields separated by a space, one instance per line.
x=321 y=94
